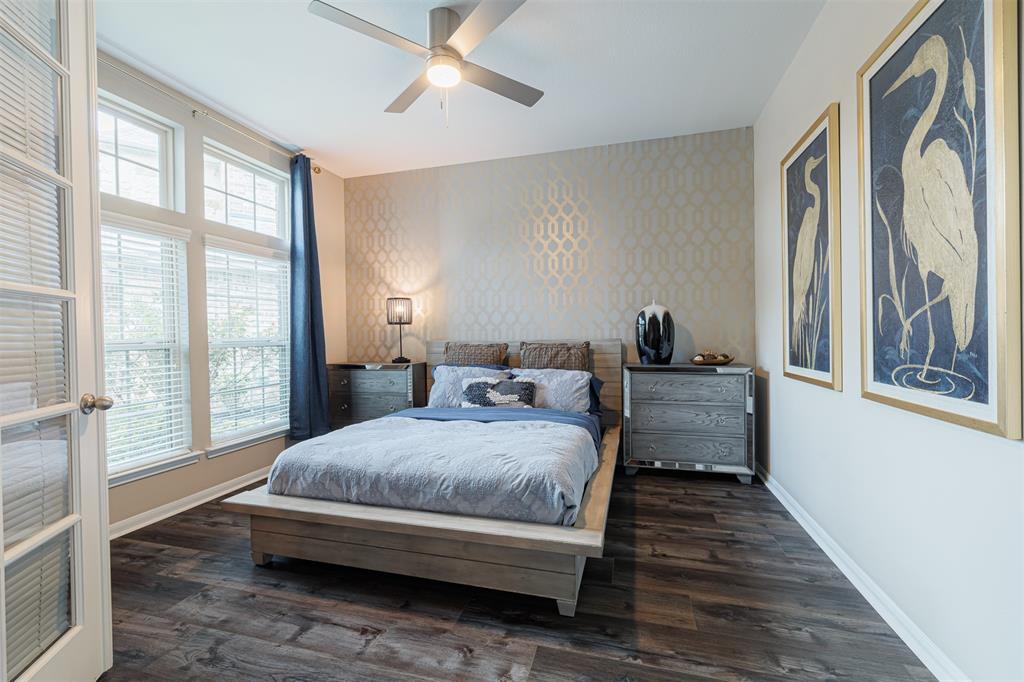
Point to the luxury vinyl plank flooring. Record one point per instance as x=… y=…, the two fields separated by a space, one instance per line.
x=702 y=578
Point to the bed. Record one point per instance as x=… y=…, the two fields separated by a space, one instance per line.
x=540 y=559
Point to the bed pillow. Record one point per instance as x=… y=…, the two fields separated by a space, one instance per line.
x=477 y=354
x=493 y=392
x=447 y=388
x=559 y=389
x=538 y=355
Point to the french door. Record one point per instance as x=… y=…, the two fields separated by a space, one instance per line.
x=54 y=585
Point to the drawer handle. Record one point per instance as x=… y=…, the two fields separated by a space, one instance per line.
x=344 y=406
x=344 y=382
x=650 y=419
x=652 y=447
x=652 y=388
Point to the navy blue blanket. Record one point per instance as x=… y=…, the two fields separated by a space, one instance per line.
x=591 y=422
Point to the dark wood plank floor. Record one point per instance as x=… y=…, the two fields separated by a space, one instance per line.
x=703 y=578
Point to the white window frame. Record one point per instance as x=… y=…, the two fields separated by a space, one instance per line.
x=138 y=469
x=147 y=121
x=234 y=440
x=229 y=156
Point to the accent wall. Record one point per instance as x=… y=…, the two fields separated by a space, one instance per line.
x=562 y=245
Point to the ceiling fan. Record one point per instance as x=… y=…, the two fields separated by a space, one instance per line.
x=451 y=40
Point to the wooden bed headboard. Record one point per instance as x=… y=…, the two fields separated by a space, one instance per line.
x=605 y=362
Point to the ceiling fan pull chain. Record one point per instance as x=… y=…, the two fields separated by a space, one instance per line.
x=446 y=107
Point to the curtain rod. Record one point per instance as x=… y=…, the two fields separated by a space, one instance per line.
x=196 y=108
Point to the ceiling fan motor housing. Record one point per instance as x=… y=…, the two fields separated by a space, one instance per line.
x=443 y=22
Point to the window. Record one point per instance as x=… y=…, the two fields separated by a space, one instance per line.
x=145 y=345
x=241 y=194
x=247 y=316
x=134 y=156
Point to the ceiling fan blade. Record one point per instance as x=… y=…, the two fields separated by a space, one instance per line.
x=484 y=18
x=409 y=95
x=331 y=13
x=502 y=85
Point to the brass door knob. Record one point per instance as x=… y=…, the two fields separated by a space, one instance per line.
x=89 y=402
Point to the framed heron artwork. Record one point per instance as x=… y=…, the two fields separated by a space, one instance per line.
x=812 y=310
x=940 y=233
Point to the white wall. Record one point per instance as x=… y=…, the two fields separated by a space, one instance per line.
x=931 y=512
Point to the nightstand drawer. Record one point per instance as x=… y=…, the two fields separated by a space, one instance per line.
x=657 y=386
x=367 y=407
x=685 y=417
x=676 y=448
x=369 y=381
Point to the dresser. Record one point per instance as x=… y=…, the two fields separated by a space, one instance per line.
x=358 y=394
x=690 y=417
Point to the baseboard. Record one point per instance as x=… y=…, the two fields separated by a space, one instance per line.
x=923 y=647
x=162 y=512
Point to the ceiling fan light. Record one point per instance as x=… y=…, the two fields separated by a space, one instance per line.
x=443 y=71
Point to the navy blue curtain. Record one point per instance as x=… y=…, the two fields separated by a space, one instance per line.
x=310 y=415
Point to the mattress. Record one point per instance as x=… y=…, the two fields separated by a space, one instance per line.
x=515 y=464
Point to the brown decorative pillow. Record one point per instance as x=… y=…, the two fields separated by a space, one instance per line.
x=474 y=353
x=537 y=355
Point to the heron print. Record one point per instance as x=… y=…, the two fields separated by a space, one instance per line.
x=808 y=246
x=928 y=197
x=810 y=218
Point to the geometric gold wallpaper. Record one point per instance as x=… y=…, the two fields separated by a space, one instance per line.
x=559 y=245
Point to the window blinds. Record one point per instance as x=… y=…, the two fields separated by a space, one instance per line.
x=35 y=309
x=145 y=343
x=247 y=311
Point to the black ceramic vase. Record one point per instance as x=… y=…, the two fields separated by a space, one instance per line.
x=655 y=335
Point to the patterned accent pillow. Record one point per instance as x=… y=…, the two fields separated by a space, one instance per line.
x=490 y=392
x=447 y=388
x=474 y=353
x=534 y=355
x=559 y=389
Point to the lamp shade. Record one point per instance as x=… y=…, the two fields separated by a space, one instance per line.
x=399 y=311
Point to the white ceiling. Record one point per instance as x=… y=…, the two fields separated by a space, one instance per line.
x=611 y=72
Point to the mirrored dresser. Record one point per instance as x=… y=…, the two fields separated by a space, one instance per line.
x=358 y=393
x=689 y=417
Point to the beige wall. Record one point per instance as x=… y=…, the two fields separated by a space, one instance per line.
x=567 y=244
x=329 y=213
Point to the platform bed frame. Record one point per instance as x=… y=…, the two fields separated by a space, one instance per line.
x=527 y=558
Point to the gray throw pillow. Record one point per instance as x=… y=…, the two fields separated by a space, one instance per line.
x=492 y=392
x=559 y=389
x=447 y=388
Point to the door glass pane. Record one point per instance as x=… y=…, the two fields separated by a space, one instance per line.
x=29 y=115
x=31 y=214
x=37 y=19
x=35 y=476
x=38 y=601
x=33 y=371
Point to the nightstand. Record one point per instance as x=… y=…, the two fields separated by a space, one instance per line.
x=690 y=417
x=358 y=394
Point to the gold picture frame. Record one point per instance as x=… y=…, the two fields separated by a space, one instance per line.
x=963 y=366
x=812 y=255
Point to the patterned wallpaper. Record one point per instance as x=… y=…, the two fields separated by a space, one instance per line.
x=560 y=245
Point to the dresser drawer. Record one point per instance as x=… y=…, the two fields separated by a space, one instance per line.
x=365 y=407
x=368 y=381
x=675 y=387
x=686 y=417
x=695 y=449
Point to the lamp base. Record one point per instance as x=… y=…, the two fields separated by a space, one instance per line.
x=401 y=360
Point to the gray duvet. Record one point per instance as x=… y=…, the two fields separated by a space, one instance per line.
x=520 y=470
